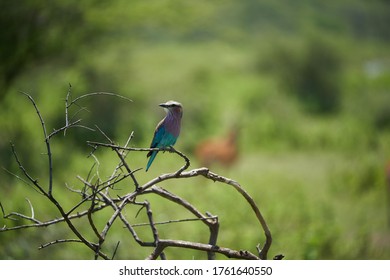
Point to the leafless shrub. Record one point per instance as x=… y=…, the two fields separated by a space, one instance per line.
x=95 y=195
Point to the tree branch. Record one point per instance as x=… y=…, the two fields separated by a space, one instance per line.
x=96 y=196
x=164 y=243
x=205 y=172
x=48 y=148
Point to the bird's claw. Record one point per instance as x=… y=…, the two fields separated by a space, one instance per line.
x=168 y=149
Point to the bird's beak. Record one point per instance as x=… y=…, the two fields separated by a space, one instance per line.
x=164 y=105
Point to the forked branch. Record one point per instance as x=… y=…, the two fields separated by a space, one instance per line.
x=97 y=194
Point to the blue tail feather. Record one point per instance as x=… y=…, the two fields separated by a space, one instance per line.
x=152 y=156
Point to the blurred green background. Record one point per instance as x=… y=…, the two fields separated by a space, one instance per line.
x=306 y=82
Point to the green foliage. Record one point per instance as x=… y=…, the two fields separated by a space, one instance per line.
x=311 y=72
x=307 y=83
x=39 y=30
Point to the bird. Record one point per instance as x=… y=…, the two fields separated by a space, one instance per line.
x=167 y=130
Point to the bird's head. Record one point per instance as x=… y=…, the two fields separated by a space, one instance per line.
x=173 y=107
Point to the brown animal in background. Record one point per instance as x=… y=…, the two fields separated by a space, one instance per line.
x=221 y=150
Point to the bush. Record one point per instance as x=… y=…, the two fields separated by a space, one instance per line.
x=310 y=72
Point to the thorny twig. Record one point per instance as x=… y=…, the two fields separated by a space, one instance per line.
x=98 y=196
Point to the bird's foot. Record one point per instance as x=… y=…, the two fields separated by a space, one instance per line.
x=169 y=149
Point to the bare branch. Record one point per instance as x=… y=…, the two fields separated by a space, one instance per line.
x=215 y=177
x=2 y=209
x=48 y=148
x=124 y=220
x=98 y=93
x=209 y=175
x=55 y=202
x=26 y=174
x=69 y=125
x=149 y=213
x=175 y=221
x=47 y=223
x=31 y=207
x=249 y=199
x=164 y=243
x=59 y=241
x=21 y=179
x=10 y=215
x=115 y=250
x=174 y=198
x=214 y=230
x=66 y=107
x=118 y=150
x=96 y=195
x=212 y=223
x=92 y=224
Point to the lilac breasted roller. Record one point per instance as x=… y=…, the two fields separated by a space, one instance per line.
x=167 y=130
